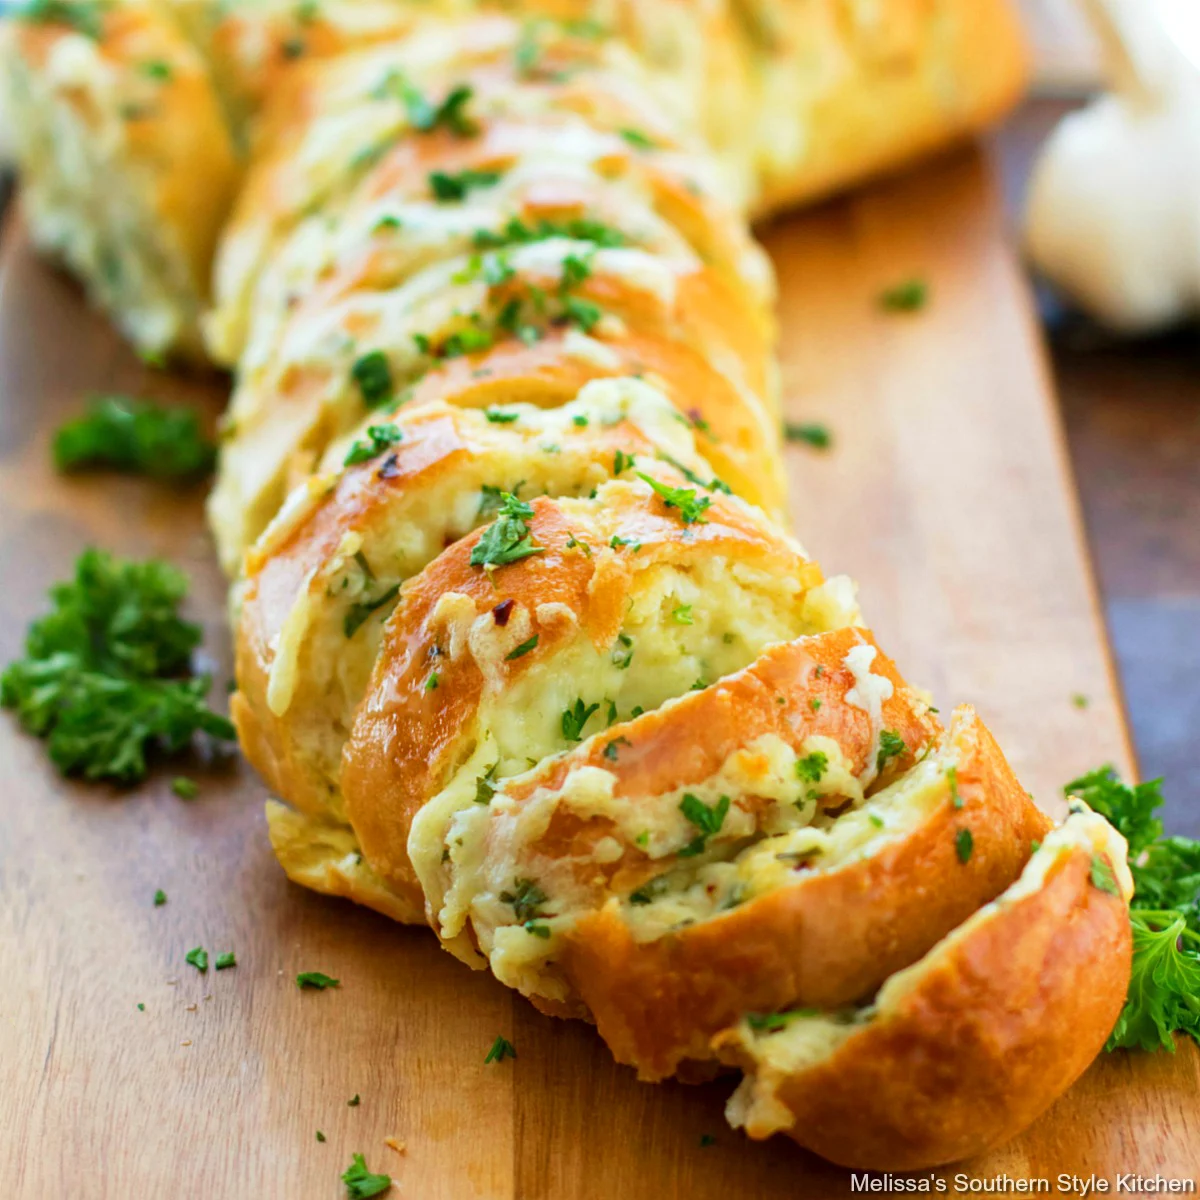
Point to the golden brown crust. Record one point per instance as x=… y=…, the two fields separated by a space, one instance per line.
x=895 y=90
x=831 y=937
x=992 y=1027
x=407 y=737
x=443 y=451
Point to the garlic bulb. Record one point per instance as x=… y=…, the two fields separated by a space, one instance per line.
x=1113 y=215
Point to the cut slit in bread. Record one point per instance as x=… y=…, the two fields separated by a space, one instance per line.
x=968 y=1045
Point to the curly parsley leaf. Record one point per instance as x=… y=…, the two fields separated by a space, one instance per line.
x=361 y=1184
x=136 y=436
x=1164 y=987
x=103 y=677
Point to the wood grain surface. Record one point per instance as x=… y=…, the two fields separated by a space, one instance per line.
x=947 y=494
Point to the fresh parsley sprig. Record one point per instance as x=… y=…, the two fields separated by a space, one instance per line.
x=104 y=678
x=1164 y=987
x=136 y=436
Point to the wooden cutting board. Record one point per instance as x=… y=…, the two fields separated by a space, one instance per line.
x=947 y=493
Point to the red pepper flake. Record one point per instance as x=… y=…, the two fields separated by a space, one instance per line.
x=502 y=612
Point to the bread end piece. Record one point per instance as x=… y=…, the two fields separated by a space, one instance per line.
x=963 y=1050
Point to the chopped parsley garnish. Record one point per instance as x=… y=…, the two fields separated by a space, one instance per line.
x=354 y=1101
x=450 y=114
x=908 y=296
x=160 y=898
x=691 y=509
x=373 y=374
x=103 y=679
x=636 y=138
x=517 y=233
x=613 y=749
x=523 y=649
x=622 y=653
x=1164 y=989
x=773 y=1022
x=432 y=682
x=812 y=766
x=650 y=891
x=185 y=788
x=198 y=958
x=501 y=1049
x=817 y=436
x=707 y=819
x=682 y=615
x=581 y=312
x=713 y=485
x=1080 y=700
x=525 y=898
x=575 y=718
x=498 y=416
x=507 y=539
x=485 y=785
x=814 y=703
x=379 y=438
x=536 y=930
x=964 y=843
x=358 y=612
x=447 y=187
x=891 y=745
x=575 y=269
x=136 y=436
x=225 y=961
x=316 y=980
x=320 y=1136
x=361 y=1184
x=707 y=1139
x=622 y=462
x=952 y=779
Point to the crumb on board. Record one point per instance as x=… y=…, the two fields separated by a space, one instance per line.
x=395 y=1144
